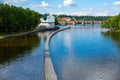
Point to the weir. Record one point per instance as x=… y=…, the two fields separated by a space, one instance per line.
x=49 y=69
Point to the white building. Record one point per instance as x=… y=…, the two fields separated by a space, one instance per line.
x=49 y=22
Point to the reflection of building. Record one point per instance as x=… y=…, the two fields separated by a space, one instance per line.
x=49 y=22
x=43 y=35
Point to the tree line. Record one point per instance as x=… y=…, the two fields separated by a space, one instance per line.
x=113 y=23
x=87 y=18
x=17 y=19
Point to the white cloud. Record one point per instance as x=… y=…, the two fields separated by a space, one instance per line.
x=117 y=2
x=92 y=12
x=91 y=8
x=44 y=4
x=69 y=3
x=106 y=4
x=37 y=6
x=59 y=6
x=34 y=6
x=14 y=1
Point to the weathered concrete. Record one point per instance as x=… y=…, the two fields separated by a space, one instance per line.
x=19 y=34
x=30 y=32
x=49 y=69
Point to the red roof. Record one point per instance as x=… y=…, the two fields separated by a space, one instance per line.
x=64 y=19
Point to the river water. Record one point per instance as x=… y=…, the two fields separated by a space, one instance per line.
x=86 y=54
x=22 y=58
x=82 y=53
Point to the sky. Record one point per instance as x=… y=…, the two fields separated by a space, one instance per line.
x=70 y=7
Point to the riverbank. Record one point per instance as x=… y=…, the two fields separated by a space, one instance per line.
x=117 y=30
x=2 y=35
x=112 y=30
x=6 y=35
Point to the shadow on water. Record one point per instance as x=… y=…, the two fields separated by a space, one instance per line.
x=22 y=58
x=14 y=47
x=115 y=36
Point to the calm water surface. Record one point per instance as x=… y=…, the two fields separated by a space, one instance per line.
x=86 y=54
x=21 y=58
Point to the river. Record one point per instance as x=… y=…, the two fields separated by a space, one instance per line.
x=22 y=58
x=80 y=53
x=86 y=54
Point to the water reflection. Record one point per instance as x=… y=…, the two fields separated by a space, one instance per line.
x=115 y=36
x=44 y=35
x=85 y=54
x=22 y=58
x=14 y=47
x=27 y=40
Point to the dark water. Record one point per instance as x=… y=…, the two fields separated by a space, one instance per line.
x=86 y=54
x=22 y=58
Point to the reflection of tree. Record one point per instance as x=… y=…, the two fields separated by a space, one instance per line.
x=14 y=47
x=27 y=40
x=114 y=36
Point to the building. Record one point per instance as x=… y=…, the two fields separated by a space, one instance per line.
x=66 y=21
x=49 y=22
x=63 y=21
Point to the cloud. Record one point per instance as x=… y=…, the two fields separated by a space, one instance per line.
x=37 y=6
x=106 y=4
x=44 y=4
x=59 y=6
x=69 y=3
x=34 y=6
x=117 y=2
x=91 y=8
x=14 y=1
x=92 y=12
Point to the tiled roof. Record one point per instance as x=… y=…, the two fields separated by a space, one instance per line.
x=63 y=19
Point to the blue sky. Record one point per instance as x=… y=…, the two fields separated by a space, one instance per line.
x=71 y=7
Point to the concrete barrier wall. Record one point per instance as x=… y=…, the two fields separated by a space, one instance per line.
x=19 y=34
x=48 y=66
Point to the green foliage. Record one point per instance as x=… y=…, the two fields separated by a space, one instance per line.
x=17 y=19
x=94 y=18
x=56 y=21
x=45 y=16
x=113 y=23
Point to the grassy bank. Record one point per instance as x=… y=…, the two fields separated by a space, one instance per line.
x=3 y=35
x=117 y=30
x=8 y=34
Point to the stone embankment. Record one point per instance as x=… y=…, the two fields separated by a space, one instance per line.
x=49 y=69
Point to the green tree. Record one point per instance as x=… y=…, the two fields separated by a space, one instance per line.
x=56 y=21
x=113 y=23
x=17 y=19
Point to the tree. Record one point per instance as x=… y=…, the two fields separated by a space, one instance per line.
x=56 y=21
x=17 y=19
x=113 y=23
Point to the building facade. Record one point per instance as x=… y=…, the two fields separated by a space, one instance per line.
x=49 y=22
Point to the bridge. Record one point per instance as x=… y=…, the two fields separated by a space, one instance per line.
x=89 y=22
x=80 y=22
